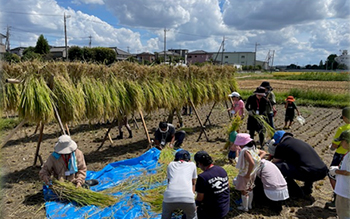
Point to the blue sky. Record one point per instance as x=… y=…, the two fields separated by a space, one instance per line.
x=299 y=31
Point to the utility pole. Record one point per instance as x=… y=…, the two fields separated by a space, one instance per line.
x=165 y=30
x=128 y=49
x=65 y=34
x=256 y=46
x=7 y=43
x=223 y=50
x=90 y=41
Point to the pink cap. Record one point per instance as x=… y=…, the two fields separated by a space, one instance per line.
x=242 y=139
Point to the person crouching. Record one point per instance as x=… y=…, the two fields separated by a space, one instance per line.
x=65 y=163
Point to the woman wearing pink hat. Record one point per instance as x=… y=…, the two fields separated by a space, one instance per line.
x=248 y=165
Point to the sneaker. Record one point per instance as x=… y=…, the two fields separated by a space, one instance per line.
x=241 y=208
x=330 y=204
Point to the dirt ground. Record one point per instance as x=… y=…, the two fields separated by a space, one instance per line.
x=22 y=195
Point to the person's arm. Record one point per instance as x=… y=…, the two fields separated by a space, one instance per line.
x=275 y=160
x=46 y=171
x=194 y=185
x=199 y=197
x=296 y=108
x=262 y=153
x=250 y=160
x=81 y=165
x=286 y=105
x=171 y=144
x=342 y=172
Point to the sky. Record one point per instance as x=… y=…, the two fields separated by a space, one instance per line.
x=297 y=32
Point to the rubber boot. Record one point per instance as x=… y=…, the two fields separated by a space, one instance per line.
x=130 y=133
x=250 y=199
x=244 y=206
x=120 y=136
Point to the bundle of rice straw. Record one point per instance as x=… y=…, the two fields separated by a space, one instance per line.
x=67 y=191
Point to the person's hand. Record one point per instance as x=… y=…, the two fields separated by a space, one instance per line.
x=246 y=176
x=171 y=145
x=47 y=181
x=78 y=185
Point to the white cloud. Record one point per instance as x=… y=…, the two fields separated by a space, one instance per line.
x=78 y=2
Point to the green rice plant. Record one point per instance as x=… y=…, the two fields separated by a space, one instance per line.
x=94 y=100
x=70 y=100
x=266 y=126
x=67 y=191
x=36 y=102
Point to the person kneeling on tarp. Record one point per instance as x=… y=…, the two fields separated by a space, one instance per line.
x=179 y=194
x=165 y=133
x=65 y=163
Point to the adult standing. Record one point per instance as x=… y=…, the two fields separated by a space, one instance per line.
x=212 y=187
x=339 y=150
x=179 y=194
x=165 y=133
x=256 y=105
x=297 y=160
x=65 y=163
x=271 y=104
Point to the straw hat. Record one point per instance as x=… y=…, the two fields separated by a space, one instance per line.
x=65 y=145
x=290 y=98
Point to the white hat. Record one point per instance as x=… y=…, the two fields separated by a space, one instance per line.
x=234 y=94
x=65 y=145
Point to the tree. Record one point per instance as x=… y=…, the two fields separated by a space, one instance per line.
x=321 y=66
x=29 y=54
x=42 y=46
x=75 y=53
x=331 y=64
x=9 y=57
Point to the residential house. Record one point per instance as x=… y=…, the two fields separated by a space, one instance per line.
x=168 y=55
x=121 y=54
x=145 y=56
x=2 y=45
x=198 y=56
x=58 y=52
x=18 y=51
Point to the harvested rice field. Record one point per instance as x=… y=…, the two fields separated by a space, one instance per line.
x=22 y=195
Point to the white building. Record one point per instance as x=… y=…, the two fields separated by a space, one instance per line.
x=344 y=59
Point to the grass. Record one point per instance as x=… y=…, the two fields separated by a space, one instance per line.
x=309 y=97
x=312 y=76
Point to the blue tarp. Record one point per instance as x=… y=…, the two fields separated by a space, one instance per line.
x=130 y=207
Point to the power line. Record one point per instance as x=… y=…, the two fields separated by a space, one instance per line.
x=39 y=14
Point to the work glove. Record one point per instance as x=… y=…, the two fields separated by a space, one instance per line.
x=250 y=112
x=332 y=170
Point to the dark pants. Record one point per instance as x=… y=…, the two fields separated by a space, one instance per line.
x=270 y=120
x=179 y=138
x=261 y=136
x=261 y=200
x=308 y=176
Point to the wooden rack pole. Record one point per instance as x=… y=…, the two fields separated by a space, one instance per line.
x=205 y=122
x=12 y=133
x=38 y=146
x=199 y=119
x=145 y=127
